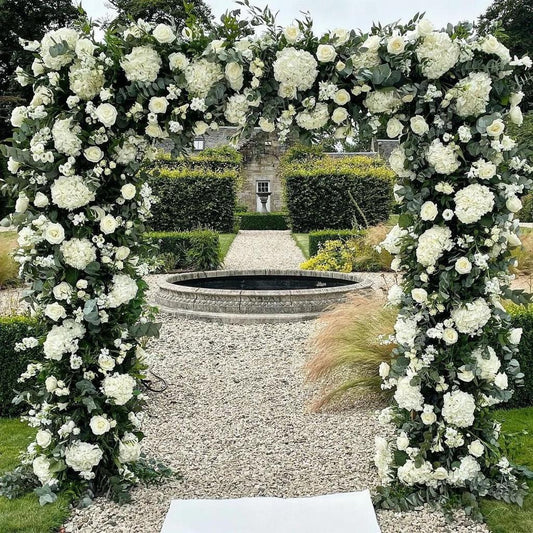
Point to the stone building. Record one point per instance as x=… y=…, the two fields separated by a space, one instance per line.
x=261 y=157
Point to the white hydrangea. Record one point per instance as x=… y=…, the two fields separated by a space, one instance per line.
x=313 y=119
x=467 y=470
x=410 y=474
x=406 y=330
x=201 y=75
x=53 y=38
x=65 y=134
x=488 y=367
x=85 y=82
x=236 y=109
x=472 y=94
x=295 y=70
x=472 y=316
x=383 y=459
x=129 y=449
x=392 y=242
x=71 y=192
x=473 y=202
x=437 y=54
x=123 y=291
x=119 y=388
x=60 y=339
x=41 y=468
x=407 y=396
x=459 y=408
x=383 y=101
x=141 y=64
x=432 y=244
x=82 y=457
x=443 y=157
x=78 y=253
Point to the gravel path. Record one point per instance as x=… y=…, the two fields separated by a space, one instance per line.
x=263 y=249
x=234 y=422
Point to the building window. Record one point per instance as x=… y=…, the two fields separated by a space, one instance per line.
x=198 y=144
x=263 y=186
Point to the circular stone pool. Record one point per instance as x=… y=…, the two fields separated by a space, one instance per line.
x=256 y=295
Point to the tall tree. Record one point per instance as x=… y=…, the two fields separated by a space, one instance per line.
x=512 y=22
x=161 y=10
x=26 y=19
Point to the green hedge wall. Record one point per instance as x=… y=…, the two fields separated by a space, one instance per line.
x=337 y=193
x=194 y=199
x=523 y=318
x=195 y=250
x=318 y=238
x=262 y=221
x=12 y=363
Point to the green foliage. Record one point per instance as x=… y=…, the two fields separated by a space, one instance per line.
x=12 y=363
x=225 y=240
x=522 y=317
x=302 y=153
x=337 y=193
x=318 y=238
x=526 y=213
x=216 y=159
x=194 y=250
x=302 y=241
x=264 y=221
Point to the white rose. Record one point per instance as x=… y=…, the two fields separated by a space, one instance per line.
x=234 y=74
x=465 y=375
x=402 y=441
x=463 y=265
x=428 y=417
x=515 y=114
x=339 y=115
x=266 y=125
x=501 y=381
x=513 y=204
x=128 y=191
x=164 y=34
x=424 y=27
x=516 y=98
x=43 y=438
x=108 y=224
x=419 y=125
x=55 y=311
x=178 y=61
x=341 y=97
x=122 y=253
x=394 y=128
x=496 y=128
x=40 y=200
x=486 y=170
x=395 y=45
x=291 y=33
x=428 y=211
x=106 y=362
x=513 y=240
x=419 y=295
x=476 y=448
x=22 y=203
x=50 y=383
x=440 y=473
x=94 y=154
x=155 y=131
x=17 y=116
x=129 y=449
x=200 y=127
x=450 y=336
x=372 y=43
x=158 y=104
x=99 y=425
x=515 y=335
x=63 y=291
x=41 y=468
x=12 y=165
x=106 y=114
x=54 y=233
x=384 y=369
x=325 y=53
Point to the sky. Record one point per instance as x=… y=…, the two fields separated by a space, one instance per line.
x=349 y=14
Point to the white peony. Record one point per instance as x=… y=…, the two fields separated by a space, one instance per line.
x=178 y=61
x=443 y=157
x=78 y=253
x=476 y=448
x=141 y=64
x=473 y=202
x=472 y=316
x=41 y=468
x=459 y=408
x=437 y=54
x=124 y=290
x=62 y=291
x=70 y=192
x=119 y=388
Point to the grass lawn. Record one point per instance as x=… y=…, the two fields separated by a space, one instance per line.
x=302 y=241
x=8 y=236
x=225 y=242
x=25 y=515
x=502 y=517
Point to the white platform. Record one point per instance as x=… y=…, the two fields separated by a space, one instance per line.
x=351 y=512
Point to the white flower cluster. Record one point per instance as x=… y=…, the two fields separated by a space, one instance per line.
x=459 y=408
x=472 y=94
x=61 y=339
x=86 y=82
x=237 y=109
x=472 y=316
x=119 y=388
x=473 y=202
x=383 y=101
x=432 y=244
x=443 y=157
x=313 y=119
x=71 y=192
x=78 y=253
x=437 y=54
x=141 y=64
x=201 y=75
x=82 y=457
x=408 y=396
x=123 y=291
x=52 y=39
x=295 y=70
x=65 y=134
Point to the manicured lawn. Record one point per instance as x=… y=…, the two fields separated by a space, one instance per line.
x=25 y=515
x=502 y=517
x=302 y=241
x=225 y=242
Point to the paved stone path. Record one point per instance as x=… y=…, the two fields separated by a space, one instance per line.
x=263 y=249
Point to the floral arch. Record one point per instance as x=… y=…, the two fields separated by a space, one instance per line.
x=99 y=107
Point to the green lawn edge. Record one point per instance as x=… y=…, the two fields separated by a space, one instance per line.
x=302 y=241
x=225 y=240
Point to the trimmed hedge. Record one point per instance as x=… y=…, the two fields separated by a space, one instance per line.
x=337 y=193
x=262 y=221
x=526 y=213
x=194 y=250
x=12 y=363
x=318 y=238
x=522 y=317
x=194 y=199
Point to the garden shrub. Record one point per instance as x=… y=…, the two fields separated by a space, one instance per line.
x=262 y=221
x=13 y=363
x=318 y=238
x=8 y=267
x=337 y=193
x=193 y=250
x=526 y=213
x=522 y=317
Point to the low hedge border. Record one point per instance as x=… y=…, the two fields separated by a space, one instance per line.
x=13 y=363
x=522 y=317
x=318 y=238
x=262 y=221
x=194 y=250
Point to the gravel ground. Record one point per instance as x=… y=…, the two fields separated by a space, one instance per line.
x=234 y=422
x=263 y=249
